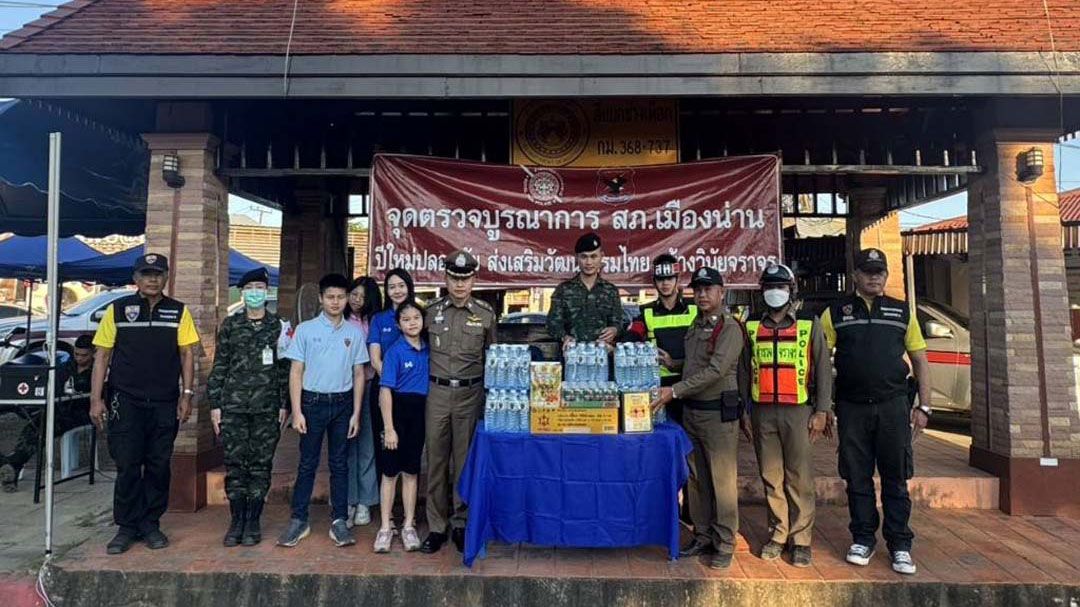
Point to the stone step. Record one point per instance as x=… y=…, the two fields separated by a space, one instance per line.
x=979 y=491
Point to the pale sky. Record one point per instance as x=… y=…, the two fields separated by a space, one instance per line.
x=14 y=13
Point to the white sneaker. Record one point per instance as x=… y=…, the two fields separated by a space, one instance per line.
x=410 y=539
x=902 y=563
x=382 y=540
x=362 y=516
x=859 y=555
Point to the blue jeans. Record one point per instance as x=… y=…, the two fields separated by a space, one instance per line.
x=363 y=482
x=325 y=414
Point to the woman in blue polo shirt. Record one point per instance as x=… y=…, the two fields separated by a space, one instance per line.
x=384 y=331
x=402 y=397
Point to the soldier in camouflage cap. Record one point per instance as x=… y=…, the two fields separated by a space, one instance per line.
x=248 y=389
x=586 y=307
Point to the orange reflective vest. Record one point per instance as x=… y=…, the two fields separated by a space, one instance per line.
x=781 y=363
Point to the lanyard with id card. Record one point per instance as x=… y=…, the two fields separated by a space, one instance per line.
x=267 y=356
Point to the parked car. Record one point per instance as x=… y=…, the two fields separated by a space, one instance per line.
x=10 y=311
x=80 y=319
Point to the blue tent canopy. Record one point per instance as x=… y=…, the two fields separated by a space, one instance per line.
x=26 y=257
x=115 y=269
x=103 y=173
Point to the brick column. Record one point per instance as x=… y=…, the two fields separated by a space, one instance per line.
x=870 y=224
x=1024 y=422
x=313 y=243
x=191 y=225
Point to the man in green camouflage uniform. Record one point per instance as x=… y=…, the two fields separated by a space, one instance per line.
x=247 y=390
x=586 y=307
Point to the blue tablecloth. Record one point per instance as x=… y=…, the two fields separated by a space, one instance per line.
x=574 y=490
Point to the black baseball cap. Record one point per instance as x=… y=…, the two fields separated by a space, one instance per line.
x=706 y=277
x=154 y=262
x=871 y=260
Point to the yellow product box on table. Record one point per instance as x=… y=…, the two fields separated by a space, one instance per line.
x=636 y=412
x=574 y=421
x=546 y=384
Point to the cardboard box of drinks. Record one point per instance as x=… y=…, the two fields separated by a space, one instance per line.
x=546 y=385
x=636 y=412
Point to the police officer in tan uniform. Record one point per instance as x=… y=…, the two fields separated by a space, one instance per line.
x=460 y=328
x=714 y=376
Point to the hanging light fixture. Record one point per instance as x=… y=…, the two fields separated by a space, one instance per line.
x=170 y=171
x=1030 y=165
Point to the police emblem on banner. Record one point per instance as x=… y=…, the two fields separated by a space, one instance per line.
x=131 y=313
x=543 y=186
x=615 y=186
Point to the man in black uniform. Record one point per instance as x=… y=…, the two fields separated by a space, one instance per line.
x=664 y=322
x=871 y=334
x=145 y=344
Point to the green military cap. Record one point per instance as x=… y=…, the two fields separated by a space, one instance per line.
x=461 y=264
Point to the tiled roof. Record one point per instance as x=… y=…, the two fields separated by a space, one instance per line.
x=347 y=27
x=1068 y=208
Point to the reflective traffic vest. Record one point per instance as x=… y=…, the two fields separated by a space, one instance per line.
x=679 y=323
x=781 y=363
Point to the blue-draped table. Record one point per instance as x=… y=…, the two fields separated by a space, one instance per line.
x=580 y=491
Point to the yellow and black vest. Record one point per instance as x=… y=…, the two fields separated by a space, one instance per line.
x=780 y=363
x=145 y=363
x=667 y=329
x=870 y=349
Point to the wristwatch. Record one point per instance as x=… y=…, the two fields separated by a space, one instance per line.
x=924 y=408
x=189 y=391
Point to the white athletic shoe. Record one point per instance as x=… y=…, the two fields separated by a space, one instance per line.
x=902 y=563
x=362 y=516
x=859 y=555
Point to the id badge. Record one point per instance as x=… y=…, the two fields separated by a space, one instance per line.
x=268 y=356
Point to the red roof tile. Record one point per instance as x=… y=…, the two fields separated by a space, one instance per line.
x=547 y=26
x=1068 y=209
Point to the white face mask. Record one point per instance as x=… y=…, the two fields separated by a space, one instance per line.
x=777 y=298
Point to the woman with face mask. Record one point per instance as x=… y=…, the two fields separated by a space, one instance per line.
x=364 y=302
x=248 y=394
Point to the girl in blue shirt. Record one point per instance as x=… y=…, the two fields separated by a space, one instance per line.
x=402 y=398
x=384 y=330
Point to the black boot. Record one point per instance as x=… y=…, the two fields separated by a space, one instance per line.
x=252 y=527
x=238 y=508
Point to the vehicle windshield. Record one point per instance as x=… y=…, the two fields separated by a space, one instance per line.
x=89 y=305
x=951 y=313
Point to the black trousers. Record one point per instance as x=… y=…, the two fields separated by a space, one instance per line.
x=877 y=435
x=141 y=437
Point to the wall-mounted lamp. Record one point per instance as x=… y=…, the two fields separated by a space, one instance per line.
x=1030 y=165
x=170 y=171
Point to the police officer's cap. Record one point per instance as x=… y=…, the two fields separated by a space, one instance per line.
x=587 y=243
x=871 y=260
x=665 y=266
x=777 y=274
x=153 y=262
x=706 y=277
x=461 y=264
x=256 y=275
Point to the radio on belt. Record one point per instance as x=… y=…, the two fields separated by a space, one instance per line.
x=26 y=377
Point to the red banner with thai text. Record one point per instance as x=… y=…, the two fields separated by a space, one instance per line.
x=521 y=222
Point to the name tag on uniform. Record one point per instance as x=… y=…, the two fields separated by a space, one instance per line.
x=268 y=356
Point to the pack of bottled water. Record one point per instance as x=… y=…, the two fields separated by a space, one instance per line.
x=507 y=410
x=507 y=367
x=636 y=368
x=586 y=361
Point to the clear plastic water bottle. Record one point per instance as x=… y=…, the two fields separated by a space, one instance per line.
x=523 y=412
x=523 y=367
x=489 y=367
